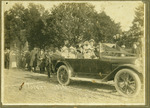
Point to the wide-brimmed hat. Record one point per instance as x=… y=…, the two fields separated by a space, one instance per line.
x=72 y=48
x=86 y=43
x=91 y=40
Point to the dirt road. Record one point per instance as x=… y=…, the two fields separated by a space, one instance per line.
x=39 y=89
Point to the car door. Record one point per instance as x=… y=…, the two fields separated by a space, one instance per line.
x=88 y=68
x=95 y=68
x=76 y=64
x=104 y=66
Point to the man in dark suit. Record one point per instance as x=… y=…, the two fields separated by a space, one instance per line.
x=41 y=58
x=48 y=63
x=7 y=59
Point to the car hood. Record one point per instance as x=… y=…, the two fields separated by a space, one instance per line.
x=119 y=59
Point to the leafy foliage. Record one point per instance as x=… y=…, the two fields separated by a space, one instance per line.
x=15 y=25
x=75 y=22
x=35 y=25
x=136 y=31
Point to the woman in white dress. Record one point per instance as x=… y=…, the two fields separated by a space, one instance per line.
x=13 y=59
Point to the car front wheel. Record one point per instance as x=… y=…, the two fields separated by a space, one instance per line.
x=127 y=83
x=63 y=76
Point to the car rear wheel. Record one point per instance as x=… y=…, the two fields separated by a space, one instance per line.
x=127 y=83
x=63 y=75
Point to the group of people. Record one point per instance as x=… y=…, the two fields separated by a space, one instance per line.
x=30 y=60
x=11 y=58
x=42 y=58
x=87 y=49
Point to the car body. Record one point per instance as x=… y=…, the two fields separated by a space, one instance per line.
x=103 y=69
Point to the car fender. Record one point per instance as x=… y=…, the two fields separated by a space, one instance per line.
x=112 y=74
x=69 y=67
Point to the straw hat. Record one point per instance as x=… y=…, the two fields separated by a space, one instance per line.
x=86 y=43
x=91 y=40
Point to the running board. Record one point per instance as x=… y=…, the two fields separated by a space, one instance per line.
x=87 y=79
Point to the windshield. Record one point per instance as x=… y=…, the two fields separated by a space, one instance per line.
x=108 y=49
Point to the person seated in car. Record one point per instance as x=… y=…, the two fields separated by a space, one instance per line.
x=79 y=53
x=72 y=52
x=89 y=54
x=86 y=46
x=57 y=51
x=51 y=51
x=65 y=52
x=97 y=51
x=86 y=54
x=65 y=49
x=57 y=54
x=88 y=50
x=91 y=44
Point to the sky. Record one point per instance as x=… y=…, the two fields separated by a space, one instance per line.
x=122 y=12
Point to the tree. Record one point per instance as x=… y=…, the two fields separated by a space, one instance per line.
x=36 y=18
x=136 y=31
x=105 y=28
x=14 y=26
x=25 y=24
x=78 y=22
x=75 y=22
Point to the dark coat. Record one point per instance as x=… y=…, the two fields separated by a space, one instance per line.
x=33 y=59
x=41 y=60
x=27 y=56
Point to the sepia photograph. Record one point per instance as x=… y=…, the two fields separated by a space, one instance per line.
x=73 y=53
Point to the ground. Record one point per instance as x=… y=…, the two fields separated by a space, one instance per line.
x=39 y=89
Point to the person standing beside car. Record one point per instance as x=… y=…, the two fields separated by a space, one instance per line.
x=48 y=64
x=27 y=57
x=135 y=49
x=41 y=58
x=13 y=59
x=7 y=59
x=33 y=60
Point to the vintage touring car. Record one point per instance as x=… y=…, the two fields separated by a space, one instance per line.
x=110 y=65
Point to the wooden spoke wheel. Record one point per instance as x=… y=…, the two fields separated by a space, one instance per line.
x=63 y=76
x=127 y=83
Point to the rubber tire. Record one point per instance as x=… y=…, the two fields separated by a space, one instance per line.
x=136 y=78
x=58 y=71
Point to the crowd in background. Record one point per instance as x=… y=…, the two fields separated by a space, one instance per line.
x=40 y=59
